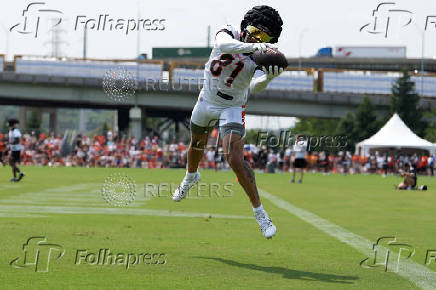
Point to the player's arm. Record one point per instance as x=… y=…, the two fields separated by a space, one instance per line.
x=263 y=77
x=404 y=173
x=411 y=174
x=225 y=42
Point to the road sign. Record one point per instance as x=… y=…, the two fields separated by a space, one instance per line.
x=180 y=52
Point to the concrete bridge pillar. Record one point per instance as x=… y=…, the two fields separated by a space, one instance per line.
x=22 y=111
x=52 y=120
x=123 y=120
x=135 y=122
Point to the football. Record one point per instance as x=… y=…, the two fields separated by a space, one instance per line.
x=270 y=57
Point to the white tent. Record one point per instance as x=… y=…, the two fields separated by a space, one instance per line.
x=394 y=134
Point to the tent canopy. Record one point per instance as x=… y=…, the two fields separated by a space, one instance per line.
x=394 y=134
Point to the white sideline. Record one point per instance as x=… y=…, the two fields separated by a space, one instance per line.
x=414 y=272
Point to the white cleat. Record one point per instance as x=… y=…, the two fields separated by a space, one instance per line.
x=265 y=223
x=185 y=186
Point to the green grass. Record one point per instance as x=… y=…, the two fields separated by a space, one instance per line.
x=209 y=252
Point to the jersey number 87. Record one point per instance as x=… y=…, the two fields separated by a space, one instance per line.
x=216 y=67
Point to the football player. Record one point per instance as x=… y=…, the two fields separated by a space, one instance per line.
x=230 y=76
x=15 y=150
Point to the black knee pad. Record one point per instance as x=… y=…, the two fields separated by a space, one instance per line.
x=232 y=128
x=200 y=130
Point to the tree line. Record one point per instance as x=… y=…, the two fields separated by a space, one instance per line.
x=363 y=123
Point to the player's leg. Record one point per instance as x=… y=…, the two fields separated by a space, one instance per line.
x=12 y=163
x=199 y=137
x=233 y=145
x=409 y=182
x=302 y=174
x=194 y=155
x=202 y=120
x=302 y=167
x=402 y=185
x=232 y=133
x=17 y=159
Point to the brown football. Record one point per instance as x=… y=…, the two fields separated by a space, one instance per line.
x=270 y=57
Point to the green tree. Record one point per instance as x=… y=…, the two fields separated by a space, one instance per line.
x=105 y=129
x=430 y=130
x=315 y=126
x=251 y=136
x=359 y=126
x=405 y=102
x=366 y=123
x=4 y=126
x=34 y=121
x=346 y=127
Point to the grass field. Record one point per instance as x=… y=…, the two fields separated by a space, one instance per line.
x=325 y=228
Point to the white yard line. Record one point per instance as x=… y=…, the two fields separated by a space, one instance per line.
x=69 y=200
x=21 y=215
x=110 y=211
x=88 y=194
x=414 y=272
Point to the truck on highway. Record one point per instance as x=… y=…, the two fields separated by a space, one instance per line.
x=363 y=52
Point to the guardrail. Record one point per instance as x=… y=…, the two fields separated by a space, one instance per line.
x=89 y=68
x=322 y=80
x=292 y=79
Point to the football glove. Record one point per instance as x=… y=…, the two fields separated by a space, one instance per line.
x=272 y=71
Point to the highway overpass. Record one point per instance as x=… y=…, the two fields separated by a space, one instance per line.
x=308 y=93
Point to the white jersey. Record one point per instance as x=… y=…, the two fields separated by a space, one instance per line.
x=14 y=133
x=227 y=74
x=300 y=149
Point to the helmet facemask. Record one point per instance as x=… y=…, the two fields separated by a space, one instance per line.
x=254 y=34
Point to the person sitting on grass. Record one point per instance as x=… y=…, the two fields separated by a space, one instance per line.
x=410 y=177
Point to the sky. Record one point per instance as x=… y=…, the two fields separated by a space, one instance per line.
x=308 y=25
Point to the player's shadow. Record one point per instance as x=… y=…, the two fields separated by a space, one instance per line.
x=288 y=273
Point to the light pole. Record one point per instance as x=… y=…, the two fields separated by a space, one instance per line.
x=422 y=32
x=300 y=40
x=422 y=62
x=85 y=42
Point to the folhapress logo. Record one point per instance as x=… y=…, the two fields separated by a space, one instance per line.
x=388 y=254
x=38 y=254
x=37 y=14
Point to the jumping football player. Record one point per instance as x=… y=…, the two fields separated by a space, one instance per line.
x=15 y=150
x=230 y=76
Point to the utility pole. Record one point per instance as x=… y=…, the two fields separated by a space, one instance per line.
x=208 y=36
x=85 y=38
x=83 y=114
x=56 y=40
